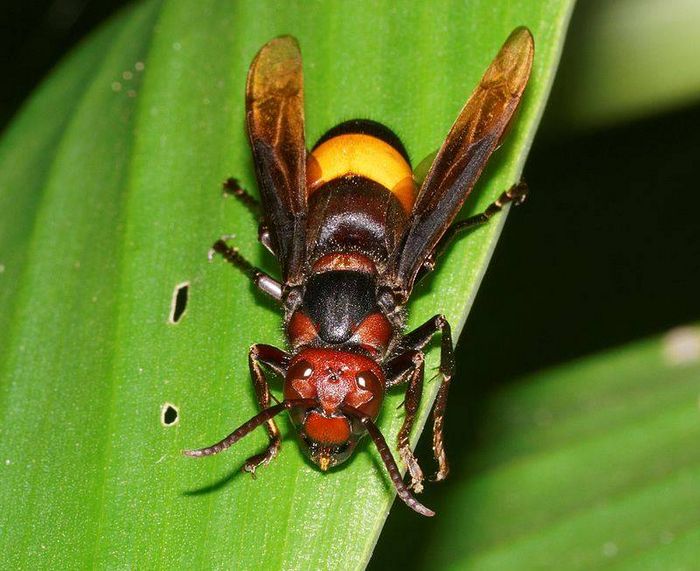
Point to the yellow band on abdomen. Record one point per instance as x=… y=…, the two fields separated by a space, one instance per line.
x=362 y=155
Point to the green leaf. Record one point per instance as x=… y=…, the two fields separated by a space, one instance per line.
x=591 y=465
x=110 y=198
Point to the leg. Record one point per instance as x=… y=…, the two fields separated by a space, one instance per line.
x=408 y=367
x=233 y=188
x=277 y=360
x=515 y=194
x=417 y=340
x=262 y=281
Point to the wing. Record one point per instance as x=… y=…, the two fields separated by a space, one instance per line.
x=275 y=120
x=476 y=133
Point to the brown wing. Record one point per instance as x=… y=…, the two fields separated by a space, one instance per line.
x=476 y=133
x=275 y=119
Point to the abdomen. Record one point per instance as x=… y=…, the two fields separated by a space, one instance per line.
x=360 y=191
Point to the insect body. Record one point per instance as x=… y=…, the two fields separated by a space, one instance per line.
x=353 y=234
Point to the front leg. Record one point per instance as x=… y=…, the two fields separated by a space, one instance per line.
x=408 y=367
x=277 y=360
x=417 y=340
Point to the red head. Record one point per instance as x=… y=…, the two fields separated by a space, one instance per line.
x=334 y=397
x=332 y=380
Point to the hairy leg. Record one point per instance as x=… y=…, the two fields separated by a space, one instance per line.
x=408 y=367
x=277 y=360
x=515 y=194
x=417 y=340
x=264 y=282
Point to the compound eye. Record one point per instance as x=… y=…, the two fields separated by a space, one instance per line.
x=300 y=370
x=368 y=398
x=368 y=381
x=299 y=383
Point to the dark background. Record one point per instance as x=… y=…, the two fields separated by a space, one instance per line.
x=604 y=252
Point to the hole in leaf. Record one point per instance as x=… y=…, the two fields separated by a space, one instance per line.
x=169 y=414
x=178 y=305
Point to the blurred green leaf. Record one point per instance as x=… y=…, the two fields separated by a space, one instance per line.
x=625 y=60
x=110 y=198
x=591 y=465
